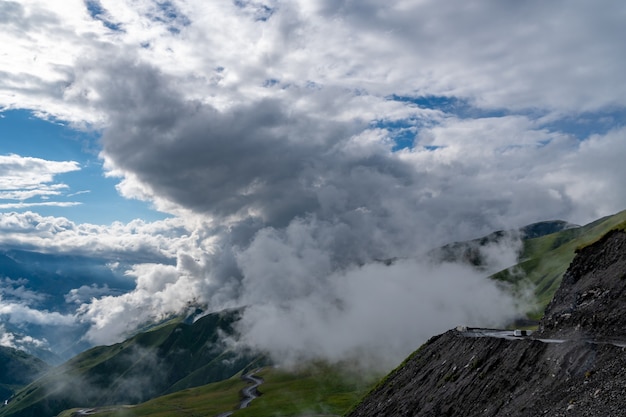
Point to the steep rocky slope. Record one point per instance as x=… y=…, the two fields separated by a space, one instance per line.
x=457 y=375
x=591 y=302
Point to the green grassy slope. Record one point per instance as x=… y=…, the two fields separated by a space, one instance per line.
x=470 y=251
x=545 y=259
x=318 y=389
x=314 y=390
x=146 y=366
x=207 y=400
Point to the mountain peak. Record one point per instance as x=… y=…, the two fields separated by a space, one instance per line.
x=539 y=229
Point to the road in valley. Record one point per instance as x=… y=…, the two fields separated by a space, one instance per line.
x=249 y=393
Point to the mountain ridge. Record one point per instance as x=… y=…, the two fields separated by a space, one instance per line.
x=456 y=375
x=145 y=366
x=17 y=368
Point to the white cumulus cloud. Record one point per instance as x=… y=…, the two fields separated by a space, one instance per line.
x=297 y=143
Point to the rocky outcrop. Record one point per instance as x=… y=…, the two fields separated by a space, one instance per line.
x=591 y=301
x=453 y=375
x=456 y=375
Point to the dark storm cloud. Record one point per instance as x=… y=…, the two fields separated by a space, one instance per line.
x=221 y=163
x=259 y=160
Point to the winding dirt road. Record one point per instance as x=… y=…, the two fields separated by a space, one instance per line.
x=249 y=393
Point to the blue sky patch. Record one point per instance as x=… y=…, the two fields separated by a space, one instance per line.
x=402 y=132
x=270 y=83
x=455 y=106
x=97 y=12
x=260 y=12
x=171 y=16
x=590 y=123
x=23 y=134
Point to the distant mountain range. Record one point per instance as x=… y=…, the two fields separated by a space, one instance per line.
x=43 y=282
x=471 y=251
x=52 y=276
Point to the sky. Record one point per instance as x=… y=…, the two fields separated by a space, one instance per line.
x=267 y=153
x=55 y=170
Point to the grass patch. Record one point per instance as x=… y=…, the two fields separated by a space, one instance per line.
x=545 y=259
x=208 y=400
x=619 y=227
x=315 y=389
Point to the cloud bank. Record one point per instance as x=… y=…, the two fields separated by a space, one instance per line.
x=299 y=144
x=25 y=178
